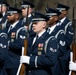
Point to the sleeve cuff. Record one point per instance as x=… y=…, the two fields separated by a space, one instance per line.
x=36 y=61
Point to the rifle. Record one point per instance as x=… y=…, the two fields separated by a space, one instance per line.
x=74 y=40
x=15 y=3
x=22 y=67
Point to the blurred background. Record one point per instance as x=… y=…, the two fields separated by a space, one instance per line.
x=40 y=5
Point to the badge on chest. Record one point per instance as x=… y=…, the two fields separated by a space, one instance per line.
x=40 y=48
x=13 y=36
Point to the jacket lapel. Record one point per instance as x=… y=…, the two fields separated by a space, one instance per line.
x=65 y=22
x=40 y=40
x=54 y=31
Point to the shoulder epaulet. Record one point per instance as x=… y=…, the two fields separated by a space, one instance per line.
x=68 y=24
x=22 y=28
x=60 y=31
x=5 y=23
x=47 y=41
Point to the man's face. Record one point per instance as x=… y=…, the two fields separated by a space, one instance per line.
x=39 y=26
x=11 y=18
x=63 y=14
x=3 y=9
x=52 y=20
x=24 y=12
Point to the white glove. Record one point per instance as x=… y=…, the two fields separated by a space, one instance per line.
x=25 y=59
x=72 y=66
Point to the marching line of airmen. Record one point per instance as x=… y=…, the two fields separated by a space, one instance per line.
x=49 y=38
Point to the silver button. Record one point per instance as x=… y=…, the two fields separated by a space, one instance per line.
x=30 y=54
x=29 y=71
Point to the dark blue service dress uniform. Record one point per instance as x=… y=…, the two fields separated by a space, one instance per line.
x=69 y=32
x=43 y=55
x=16 y=38
x=60 y=36
x=3 y=51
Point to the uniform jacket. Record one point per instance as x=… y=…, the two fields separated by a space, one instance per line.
x=41 y=58
x=16 y=38
x=3 y=51
x=60 y=36
x=67 y=27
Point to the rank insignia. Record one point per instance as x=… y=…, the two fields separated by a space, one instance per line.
x=13 y=35
x=2 y=46
x=53 y=50
x=62 y=43
x=22 y=37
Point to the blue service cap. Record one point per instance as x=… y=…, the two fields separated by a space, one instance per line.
x=2 y=3
x=13 y=10
x=25 y=4
x=52 y=12
x=38 y=16
x=61 y=7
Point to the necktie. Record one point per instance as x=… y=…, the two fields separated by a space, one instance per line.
x=10 y=28
x=37 y=36
x=48 y=30
x=59 y=22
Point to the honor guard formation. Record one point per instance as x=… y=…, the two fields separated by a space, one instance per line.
x=41 y=42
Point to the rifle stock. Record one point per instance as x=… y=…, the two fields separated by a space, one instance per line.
x=23 y=67
x=74 y=40
x=74 y=55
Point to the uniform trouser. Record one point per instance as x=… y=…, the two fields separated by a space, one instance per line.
x=3 y=71
x=11 y=71
x=56 y=69
x=65 y=65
